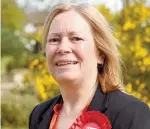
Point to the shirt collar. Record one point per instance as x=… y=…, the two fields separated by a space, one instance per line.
x=98 y=103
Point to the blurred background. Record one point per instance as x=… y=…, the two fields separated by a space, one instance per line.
x=25 y=79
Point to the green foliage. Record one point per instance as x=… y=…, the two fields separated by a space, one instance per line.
x=16 y=108
x=12 y=42
x=13 y=38
x=12 y=16
x=133 y=30
x=14 y=48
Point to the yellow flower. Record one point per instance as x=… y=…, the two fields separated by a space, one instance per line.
x=146 y=61
x=143 y=68
x=148 y=103
x=129 y=25
x=138 y=95
x=144 y=99
x=141 y=86
x=129 y=87
x=137 y=82
x=142 y=52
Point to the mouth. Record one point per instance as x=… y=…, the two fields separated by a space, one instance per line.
x=66 y=63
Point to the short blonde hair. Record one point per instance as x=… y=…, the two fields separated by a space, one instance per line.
x=111 y=76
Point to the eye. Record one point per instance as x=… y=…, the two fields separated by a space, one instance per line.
x=53 y=40
x=76 y=39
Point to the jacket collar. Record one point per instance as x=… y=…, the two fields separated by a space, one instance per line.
x=47 y=116
x=98 y=103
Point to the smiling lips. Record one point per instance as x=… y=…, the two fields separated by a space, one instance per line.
x=63 y=63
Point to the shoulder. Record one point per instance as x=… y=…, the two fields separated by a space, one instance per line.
x=46 y=104
x=120 y=99
x=128 y=112
x=40 y=110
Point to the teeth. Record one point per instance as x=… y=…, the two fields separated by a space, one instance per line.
x=66 y=63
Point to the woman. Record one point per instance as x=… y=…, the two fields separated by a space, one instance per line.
x=83 y=58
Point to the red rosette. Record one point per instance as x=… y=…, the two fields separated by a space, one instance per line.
x=91 y=120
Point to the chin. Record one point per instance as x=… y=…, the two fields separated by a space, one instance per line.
x=66 y=77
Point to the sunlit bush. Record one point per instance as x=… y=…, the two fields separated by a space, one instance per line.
x=15 y=109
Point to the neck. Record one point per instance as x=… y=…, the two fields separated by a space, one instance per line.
x=77 y=96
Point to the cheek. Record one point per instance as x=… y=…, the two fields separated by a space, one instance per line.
x=79 y=50
x=85 y=50
x=50 y=51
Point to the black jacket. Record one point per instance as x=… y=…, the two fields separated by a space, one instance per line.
x=123 y=110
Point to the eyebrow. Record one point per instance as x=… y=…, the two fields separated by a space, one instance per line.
x=70 y=33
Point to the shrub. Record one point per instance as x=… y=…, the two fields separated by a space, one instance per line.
x=16 y=109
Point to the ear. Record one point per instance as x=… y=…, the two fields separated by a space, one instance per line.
x=101 y=58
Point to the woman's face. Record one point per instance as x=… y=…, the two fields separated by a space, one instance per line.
x=70 y=49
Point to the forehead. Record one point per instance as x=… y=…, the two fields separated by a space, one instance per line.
x=70 y=21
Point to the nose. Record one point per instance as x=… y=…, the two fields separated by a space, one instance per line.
x=64 y=46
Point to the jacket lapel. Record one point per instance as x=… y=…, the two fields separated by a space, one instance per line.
x=47 y=116
x=99 y=101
